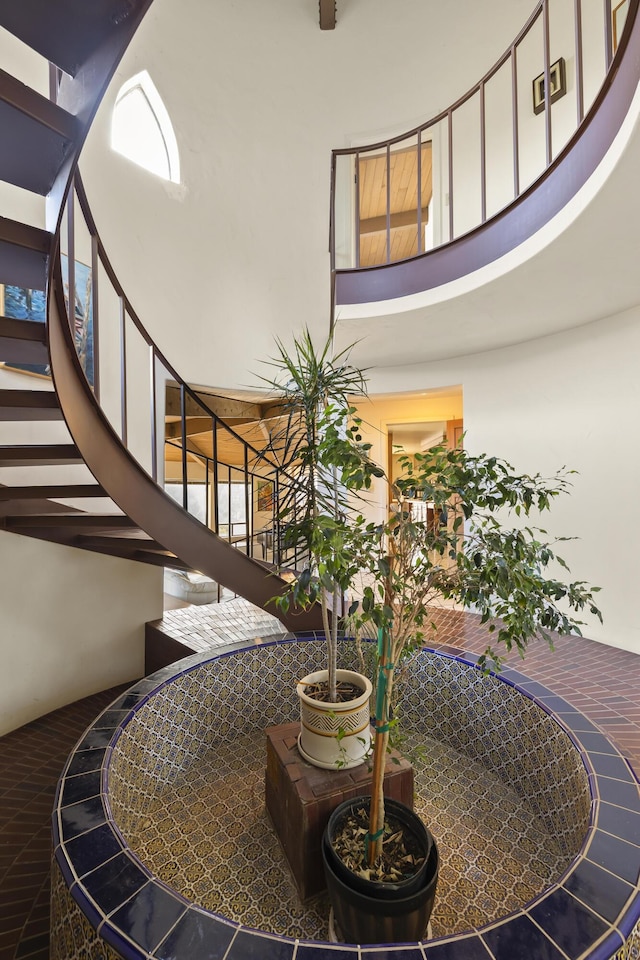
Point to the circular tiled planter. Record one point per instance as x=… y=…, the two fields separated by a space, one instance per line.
x=107 y=900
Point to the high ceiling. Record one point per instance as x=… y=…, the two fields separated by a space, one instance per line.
x=259 y=96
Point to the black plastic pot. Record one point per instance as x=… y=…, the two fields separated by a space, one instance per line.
x=369 y=911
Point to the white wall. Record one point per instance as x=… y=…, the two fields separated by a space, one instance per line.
x=259 y=96
x=71 y=623
x=571 y=399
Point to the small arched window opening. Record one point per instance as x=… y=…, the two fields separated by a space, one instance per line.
x=141 y=129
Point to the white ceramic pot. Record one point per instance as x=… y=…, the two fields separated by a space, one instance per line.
x=334 y=736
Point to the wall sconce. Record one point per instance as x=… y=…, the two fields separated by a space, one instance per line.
x=558 y=83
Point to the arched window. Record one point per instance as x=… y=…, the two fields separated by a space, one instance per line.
x=141 y=129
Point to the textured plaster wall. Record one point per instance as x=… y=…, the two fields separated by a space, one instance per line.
x=71 y=623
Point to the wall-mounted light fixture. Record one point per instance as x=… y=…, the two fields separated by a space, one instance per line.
x=558 y=85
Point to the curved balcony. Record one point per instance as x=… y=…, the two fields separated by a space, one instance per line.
x=465 y=188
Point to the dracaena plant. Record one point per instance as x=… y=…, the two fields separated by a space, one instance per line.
x=475 y=546
x=320 y=448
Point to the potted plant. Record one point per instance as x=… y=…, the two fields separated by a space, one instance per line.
x=463 y=548
x=324 y=464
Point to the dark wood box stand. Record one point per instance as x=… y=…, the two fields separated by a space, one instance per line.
x=300 y=798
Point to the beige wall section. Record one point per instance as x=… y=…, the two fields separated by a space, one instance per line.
x=72 y=623
x=574 y=399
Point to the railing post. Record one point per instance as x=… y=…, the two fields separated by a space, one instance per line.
x=514 y=116
x=154 y=415
x=123 y=372
x=357 y=185
x=183 y=437
x=483 y=156
x=214 y=450
x=332 y=215
x=248 y=517
x=95 y=316
x=419 y=192
x=388 y=203
x=450 y=184
x=71 y=264
x=547 y=82
x=579 y=61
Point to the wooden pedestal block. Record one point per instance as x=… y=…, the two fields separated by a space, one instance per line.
x=300 y=798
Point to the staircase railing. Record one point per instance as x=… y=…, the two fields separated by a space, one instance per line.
x=209 y=468
x=472 y=163
x=121 y=432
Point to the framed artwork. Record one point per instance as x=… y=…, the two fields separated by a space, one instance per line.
x=265 y=495
x=22 y=303
x=557 y=82
x=83 y=313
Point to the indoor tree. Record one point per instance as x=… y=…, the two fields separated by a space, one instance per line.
x=325 y=466
x=475 y=546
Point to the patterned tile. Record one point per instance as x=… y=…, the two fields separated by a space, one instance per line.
x=600 y=681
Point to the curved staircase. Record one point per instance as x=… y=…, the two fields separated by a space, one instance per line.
x=65 y=474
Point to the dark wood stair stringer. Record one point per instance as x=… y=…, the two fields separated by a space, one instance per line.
x=142 y=499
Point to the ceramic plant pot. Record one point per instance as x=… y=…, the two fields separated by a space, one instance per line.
x=334 y=736
x=370 y=911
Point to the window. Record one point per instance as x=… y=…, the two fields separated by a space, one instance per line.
x=196 y=498
x=232 y=509
x=141 y=129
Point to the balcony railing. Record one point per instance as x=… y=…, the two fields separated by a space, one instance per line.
x=412 y=194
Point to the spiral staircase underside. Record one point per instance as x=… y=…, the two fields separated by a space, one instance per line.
x=64 y=475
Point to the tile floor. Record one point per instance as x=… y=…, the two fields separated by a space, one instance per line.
x=602 y=682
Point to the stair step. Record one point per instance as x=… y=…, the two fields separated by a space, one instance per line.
x=75 y=524
x=40 y=454
x=24 y=251
x=41 y=136
x=130 y=548
x=22 y=341
x=29 y=405
x=66 y=32
x=53 y=491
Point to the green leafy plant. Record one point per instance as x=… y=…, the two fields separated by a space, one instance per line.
x=319 y=445
x=473 y=542
x=465 y=548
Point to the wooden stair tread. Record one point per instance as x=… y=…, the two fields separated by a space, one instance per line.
x=76 y=521
x=29 y=405
x=53 y=454
x=23 y=341
x=24 y=251
x=52 y=491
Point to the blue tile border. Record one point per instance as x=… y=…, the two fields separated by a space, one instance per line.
x=587 y=913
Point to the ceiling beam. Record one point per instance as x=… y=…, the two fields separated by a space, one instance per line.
x=221 y=406
x=327 y=14
x=407 y=218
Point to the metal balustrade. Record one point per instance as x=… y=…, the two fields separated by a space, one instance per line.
x=152 y=409
x=405 y=198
